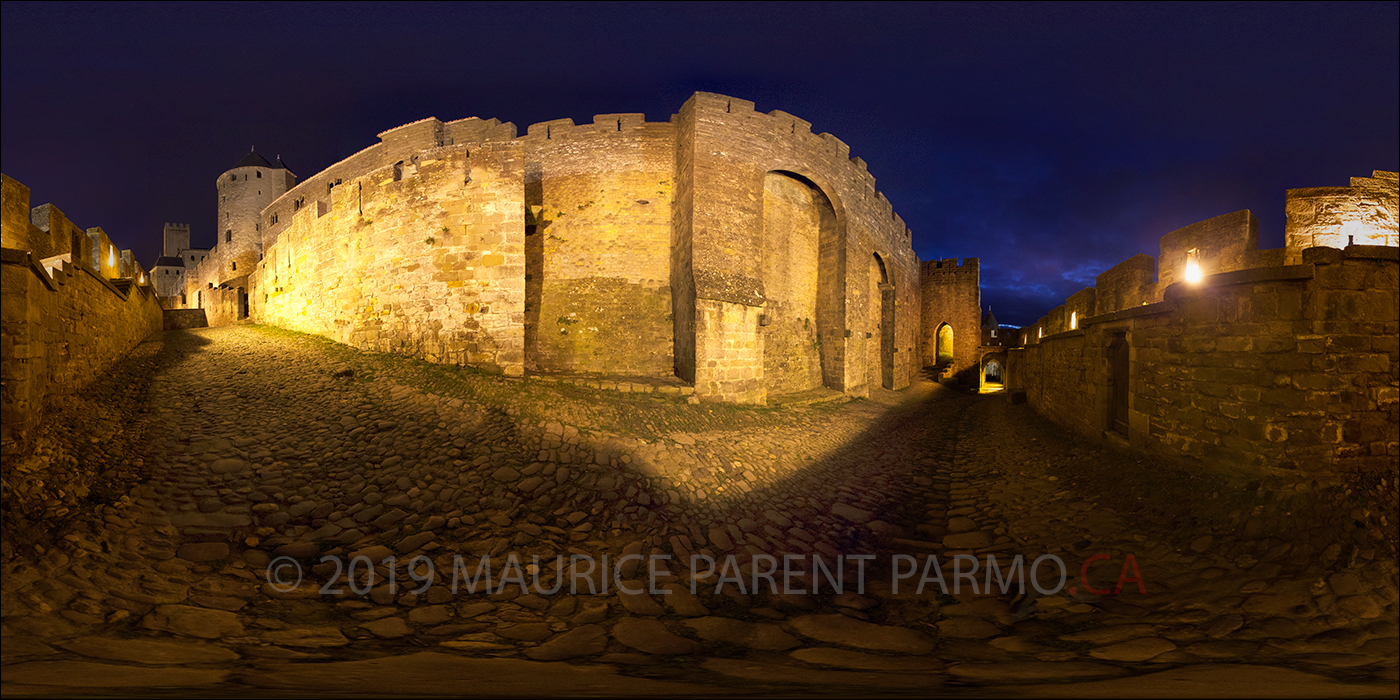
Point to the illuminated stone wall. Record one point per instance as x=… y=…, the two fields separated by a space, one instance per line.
x=1260 y=363
x=598 y=246
x=617 y=247
x=72 y=305
x=424 y=258
x=1363 y=214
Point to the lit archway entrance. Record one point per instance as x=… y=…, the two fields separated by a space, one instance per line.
x=993 y=375
x=945 y=343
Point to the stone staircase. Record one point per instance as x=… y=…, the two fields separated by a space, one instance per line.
x=940 y=372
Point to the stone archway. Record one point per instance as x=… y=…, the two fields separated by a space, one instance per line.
x=992 y=374
x=944 y=340
x=803 y=333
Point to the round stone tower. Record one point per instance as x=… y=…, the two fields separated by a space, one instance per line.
x=244 y=190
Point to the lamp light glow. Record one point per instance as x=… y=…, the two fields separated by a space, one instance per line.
x=1193 y=266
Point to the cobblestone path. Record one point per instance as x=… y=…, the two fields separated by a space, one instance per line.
x=272 y=455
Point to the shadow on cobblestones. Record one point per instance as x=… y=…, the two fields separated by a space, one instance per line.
x=242 y=446
x=88 y=450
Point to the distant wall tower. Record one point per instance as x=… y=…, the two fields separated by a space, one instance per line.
x=952 y=314
x=244 y=190
x=177 y=239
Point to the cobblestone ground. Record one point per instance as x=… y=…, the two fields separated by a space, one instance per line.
x=263 y=446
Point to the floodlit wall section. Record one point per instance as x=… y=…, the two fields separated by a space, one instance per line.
x=598 y=246
x=713 y=247
x=423 y=258
x=1363 y=214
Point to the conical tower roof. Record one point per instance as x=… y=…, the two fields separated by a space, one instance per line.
x=990 y=319
x=253 y=159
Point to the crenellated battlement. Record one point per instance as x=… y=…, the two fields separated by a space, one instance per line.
x=603 y=126
x=74 y=304
x=1193 y=256
x=950 y=266
x=401 y=143
x=649 y=225
x=782 y=125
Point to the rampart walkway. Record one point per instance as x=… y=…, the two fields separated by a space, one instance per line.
x=270 y=447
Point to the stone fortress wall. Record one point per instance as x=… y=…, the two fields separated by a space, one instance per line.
x=731 y=248
x=598 y=246
x=406 y=257
x=742 y=174
x=952 y=308
x=72 y=305
x=1276 y=358
x=749 y=257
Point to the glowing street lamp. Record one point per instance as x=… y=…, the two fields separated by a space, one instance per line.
x=1193 y=266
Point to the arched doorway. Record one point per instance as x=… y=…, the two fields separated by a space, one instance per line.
x=803 y=326
x=993 y=374
x=945 y=343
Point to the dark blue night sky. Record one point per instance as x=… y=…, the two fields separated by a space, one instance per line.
x=1050 y=140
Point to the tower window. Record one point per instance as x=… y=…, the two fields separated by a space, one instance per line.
x=234 y=266
x=228 y=236
x=259 y=173
x=233 y=178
